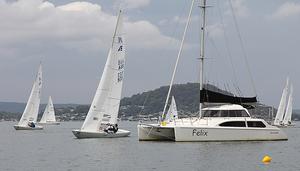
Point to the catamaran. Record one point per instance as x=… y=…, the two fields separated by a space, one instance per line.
x=101 y=120
x=30 y=114
x=49 y=114
x=227 y=120
x=285 y=109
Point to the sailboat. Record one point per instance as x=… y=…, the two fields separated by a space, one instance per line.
x=49 y=114
x=30 y=114
x=287 y=120
x=284 y=113
x=227 y=120
x=101 y=120
x=172 y=114
x=282 y=105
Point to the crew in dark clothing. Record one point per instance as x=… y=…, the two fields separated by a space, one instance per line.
x=116 y=128
x=111 y=128
x=31 y=124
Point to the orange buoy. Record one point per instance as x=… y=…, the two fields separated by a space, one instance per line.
x=267 y=159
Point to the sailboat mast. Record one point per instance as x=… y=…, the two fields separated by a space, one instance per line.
x=203 y=7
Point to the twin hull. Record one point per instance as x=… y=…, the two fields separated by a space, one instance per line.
x=178 y=133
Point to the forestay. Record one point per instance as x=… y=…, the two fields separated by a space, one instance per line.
x=30 y=113
x=107 y=98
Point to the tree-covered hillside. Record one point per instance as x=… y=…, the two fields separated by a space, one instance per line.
x=186 y=97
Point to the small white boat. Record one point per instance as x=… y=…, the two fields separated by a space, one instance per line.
x=227 y=121
x=29 y=117
x=101 y=120
x=48 y=117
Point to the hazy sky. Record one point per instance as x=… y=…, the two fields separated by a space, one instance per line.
x=72 y=38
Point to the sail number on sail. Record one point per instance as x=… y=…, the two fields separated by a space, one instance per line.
x=121 y=71
x=121 y=62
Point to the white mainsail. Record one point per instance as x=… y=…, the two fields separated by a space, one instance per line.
x=49 y=113
x=289 y=109
x=31 y=111
x=172 y=112
x=282 y=105
x=107 y=98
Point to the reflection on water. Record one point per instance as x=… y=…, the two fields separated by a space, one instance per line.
x=55 y=148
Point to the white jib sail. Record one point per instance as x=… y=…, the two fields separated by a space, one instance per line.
x=49 y=113
x=107 y=98
x=172 y=112
x=289 y=109
x=282 y=105
x=31 y=111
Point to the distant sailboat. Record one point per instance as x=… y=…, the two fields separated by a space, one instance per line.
x=282 y=105
x=172 y=114
x=101 y=120
x=30 y=114
x=49 y=114
x=285 y=109
x=287 y=120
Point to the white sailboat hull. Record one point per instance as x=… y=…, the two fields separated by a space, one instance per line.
x=101 y=134
x=202 y=133
x=19 y=127
x=49 y=123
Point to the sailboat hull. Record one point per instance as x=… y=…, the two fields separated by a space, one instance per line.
x=84 y=134
x=49 y=123
x=19 y=127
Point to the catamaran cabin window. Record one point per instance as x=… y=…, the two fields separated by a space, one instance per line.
x=233 y=124
x=225 y=113
x=257 y=124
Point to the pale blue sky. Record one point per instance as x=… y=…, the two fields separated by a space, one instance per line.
x=73 y=46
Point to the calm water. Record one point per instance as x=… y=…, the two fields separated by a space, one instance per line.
x=55 y=148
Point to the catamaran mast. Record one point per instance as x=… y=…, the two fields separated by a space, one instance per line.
x=203 y=7
x=177 y=60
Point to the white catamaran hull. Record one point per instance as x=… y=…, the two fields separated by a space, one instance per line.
x=155 y=133
x=228 y=134
x=19 y=127
x=178 y=133
x=84 y=134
